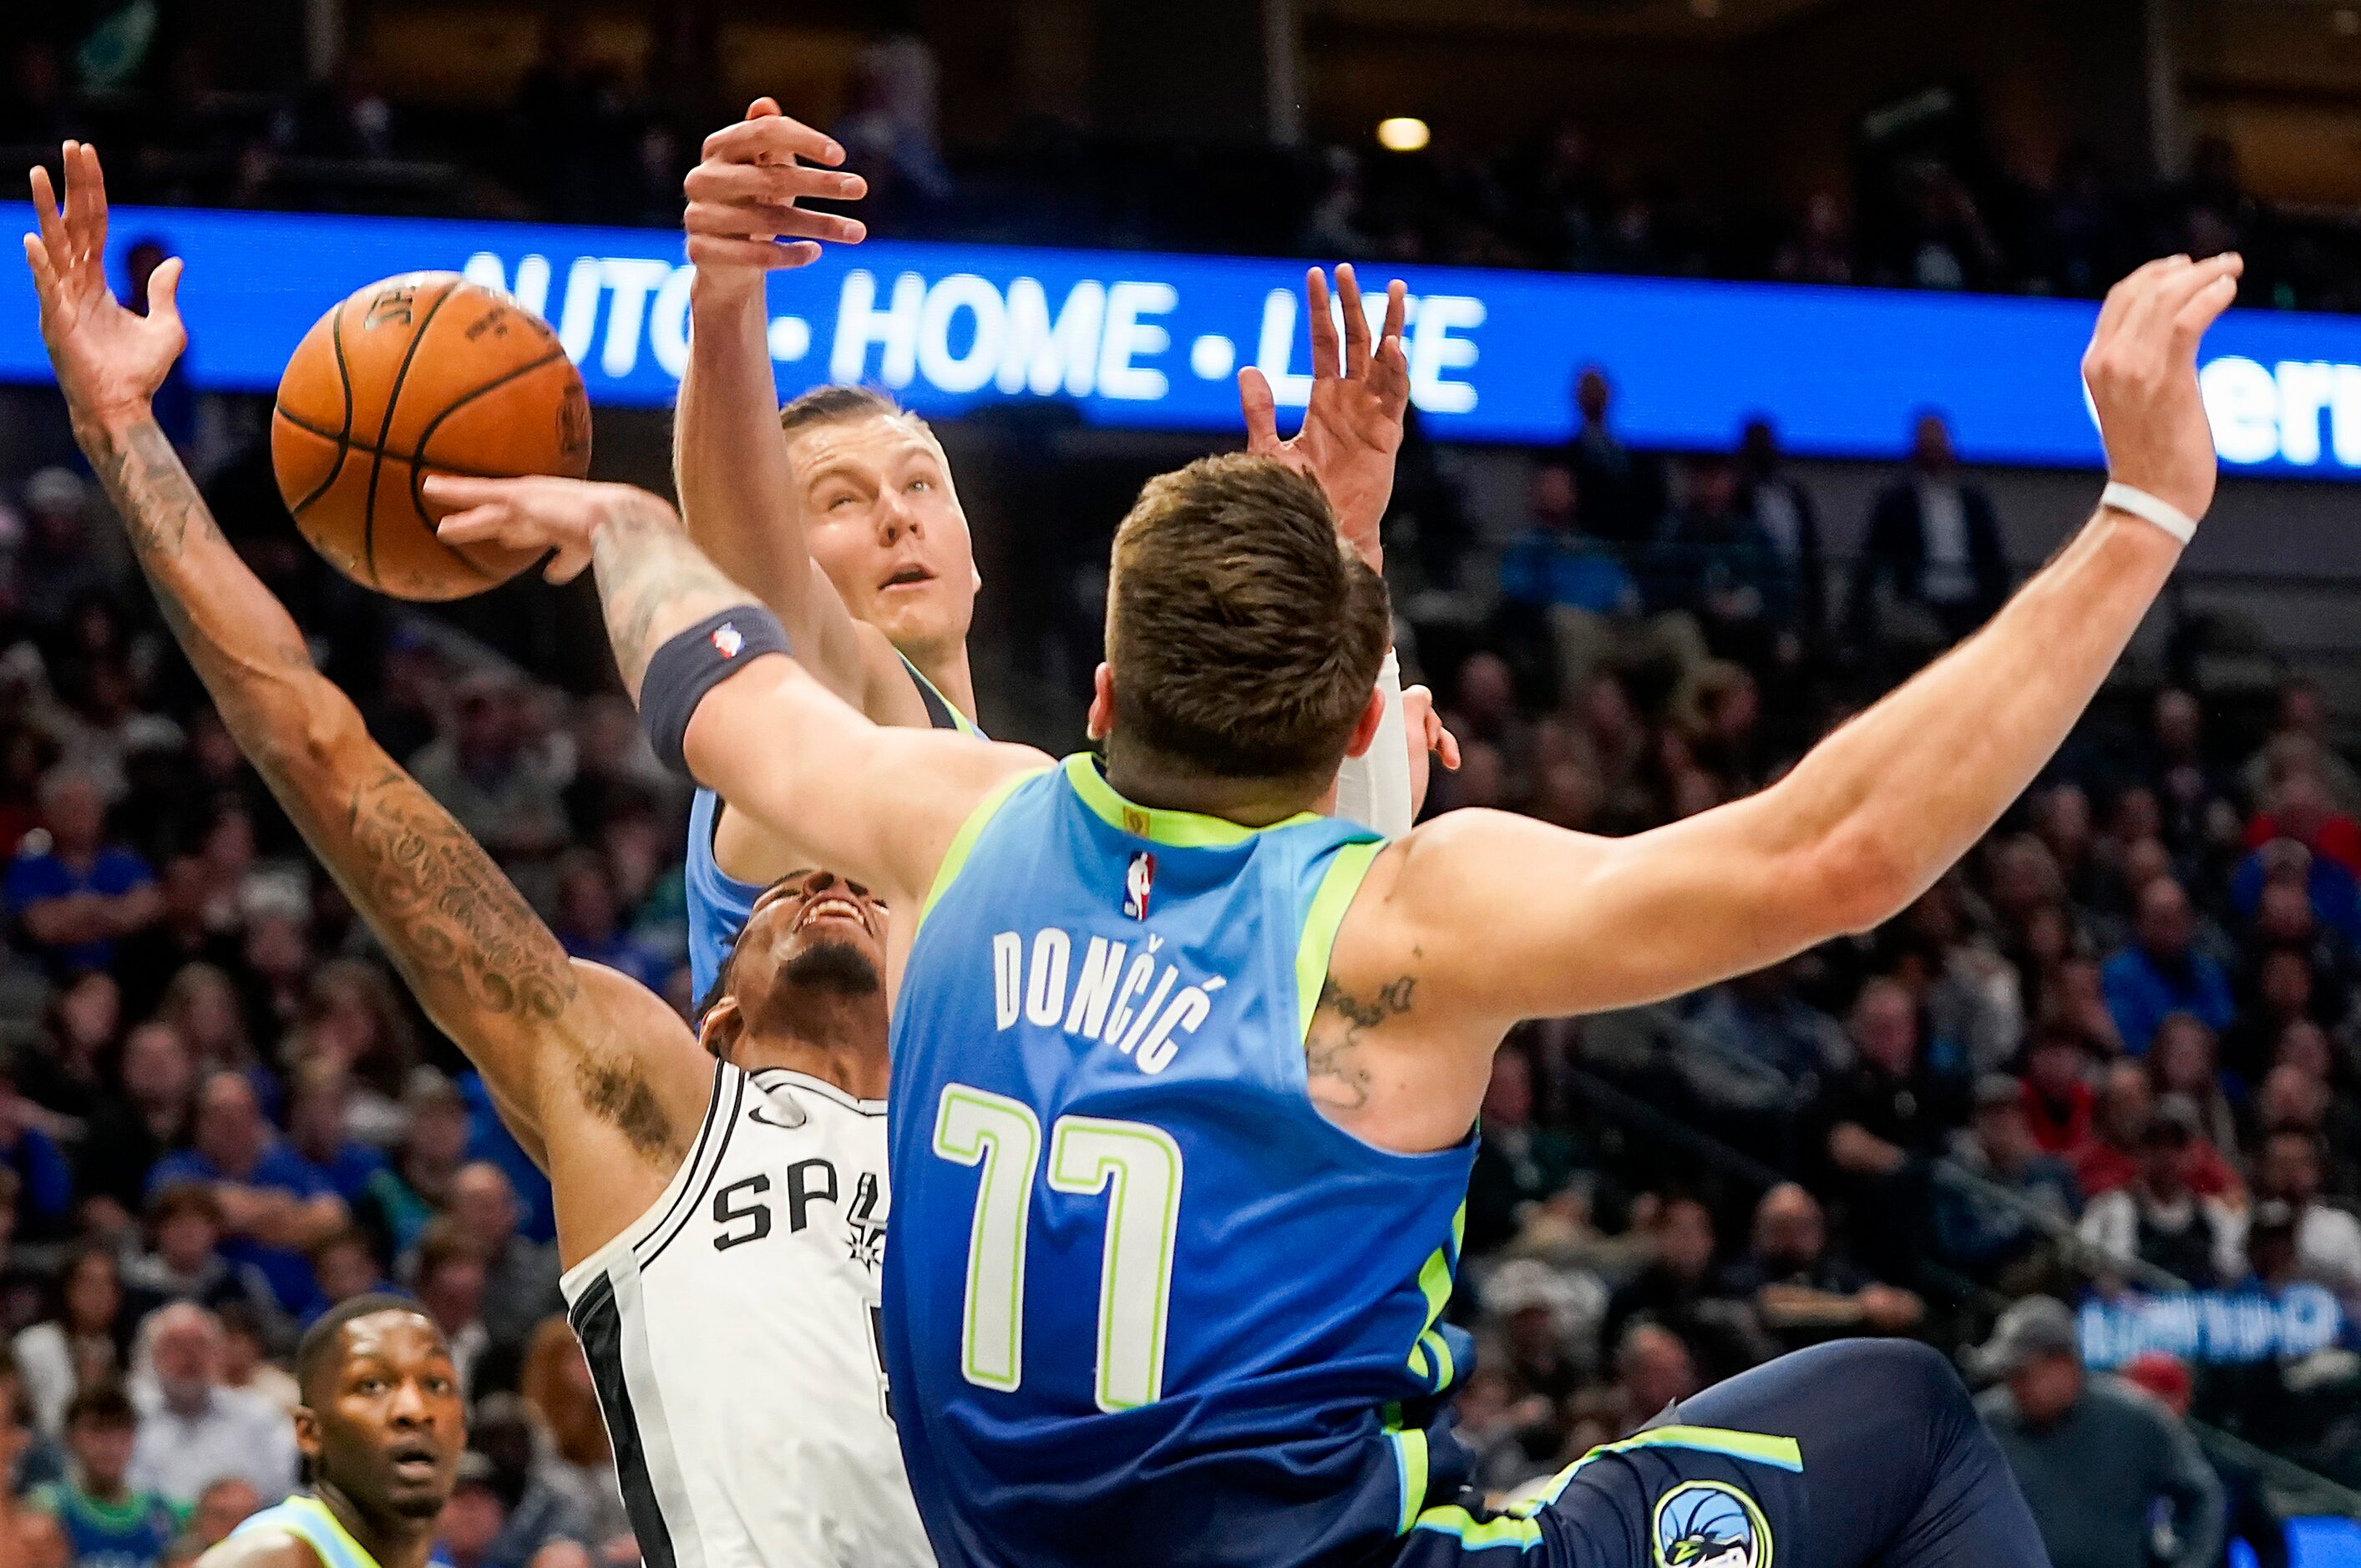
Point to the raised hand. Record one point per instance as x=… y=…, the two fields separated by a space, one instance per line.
x=538 y=513
x=2141 y=370
x=109 y=359
x=743 y=217
x=1430 y=740
x=1353 y=426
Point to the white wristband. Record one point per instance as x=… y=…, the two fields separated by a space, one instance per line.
x=2140 y=504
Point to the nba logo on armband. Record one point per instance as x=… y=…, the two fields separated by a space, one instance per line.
x=727 y=640
x=1138 y=878
x=1710 y=1524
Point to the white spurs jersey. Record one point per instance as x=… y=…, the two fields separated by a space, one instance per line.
x=734 y=1336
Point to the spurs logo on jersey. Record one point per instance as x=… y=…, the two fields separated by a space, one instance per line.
x=733 y=1334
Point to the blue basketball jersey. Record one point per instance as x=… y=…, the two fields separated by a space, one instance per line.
x=718 y=903
x=1143 y=1302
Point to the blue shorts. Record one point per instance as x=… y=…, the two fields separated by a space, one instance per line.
x=1864 y=1454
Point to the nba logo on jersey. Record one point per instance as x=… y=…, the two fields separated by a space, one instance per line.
x=1138 y=878
x=727 y=640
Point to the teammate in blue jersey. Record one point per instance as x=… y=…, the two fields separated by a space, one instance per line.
x=1185 y=1078
x=381 y=1428
x=838 y=512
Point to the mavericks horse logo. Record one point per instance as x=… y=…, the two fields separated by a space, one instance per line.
x=1706 y=1524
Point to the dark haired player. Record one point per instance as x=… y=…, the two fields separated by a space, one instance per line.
x=720 y=1199
x=381 y=1428
x=1186 y=1075
x=838 y=511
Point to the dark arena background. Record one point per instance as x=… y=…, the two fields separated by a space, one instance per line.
x=1743 y=339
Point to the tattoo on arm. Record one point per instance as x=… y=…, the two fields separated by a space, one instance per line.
x=1332 y=1054
x=644 y=563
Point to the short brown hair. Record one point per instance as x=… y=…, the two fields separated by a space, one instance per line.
x=1244 y=634
x=840 y=405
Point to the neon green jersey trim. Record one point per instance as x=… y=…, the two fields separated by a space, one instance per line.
x=1452 y=1520
x=1181 y=829
x=1410 y=1455
x=963 y=841
x=966 y=726
x=1347 y=870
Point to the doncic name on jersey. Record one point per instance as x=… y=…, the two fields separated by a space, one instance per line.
x=1115 y=995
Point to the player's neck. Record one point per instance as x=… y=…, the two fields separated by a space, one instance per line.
x=395 y=1542
x=948 y=670
x=853 y=1058
x=1249 y=802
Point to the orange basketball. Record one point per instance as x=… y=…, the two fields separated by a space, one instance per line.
x=422 y=374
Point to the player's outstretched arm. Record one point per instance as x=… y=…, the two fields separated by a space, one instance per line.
x=1517 y=919
x=737 y=490
x=879 y=805
x=487 y=971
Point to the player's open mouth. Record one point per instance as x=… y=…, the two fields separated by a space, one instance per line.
x=831 y=908
x=909 y=576
x=414 y=1460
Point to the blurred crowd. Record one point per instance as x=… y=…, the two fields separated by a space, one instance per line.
x=191 y=115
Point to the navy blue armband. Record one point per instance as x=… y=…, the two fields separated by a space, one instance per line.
x=692 y=663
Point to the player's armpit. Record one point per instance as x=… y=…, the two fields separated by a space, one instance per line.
x=878 y=804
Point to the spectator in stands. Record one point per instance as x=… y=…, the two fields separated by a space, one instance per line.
x=64 y=1073
x=2288 y=1168
x=81 y=1340
x=2060 y=1106
x=319 y=1113
x=2159 y=1219
x=1934 y=547
x=184 y=1262
x=1803 y=1292
x=488 y=775
x=2160 y=972
x=195 y=1432
x=59 y=565
x=1677 y=1288
x=132 y=1128
x=43 y=1189
x=2249 y=1515
x=1759 y=1018
x=540 y=1501
x=1619 y=493
x=248 y=1337
x=2299 y=741
x=2293 y=1098
x=401 y=1202
x=23 y=1285
x=346 y=1266
x=1782 y=508
x=1998 y=1227
x=589 y=925
x=519 y=1276
x=2111 y=1158
x=2095 y=1460
x=2180 y=1062
x=447 y=1273
x=73 y=893
x=1710 y=561
x=111 y=1523
x=350 y=1011
x=556 y=1381
x=1517 y=1163
x=1555 y=565
x=221 y=1508
x=274 y=1203
x=1885 y=1118
x=1653 y=1369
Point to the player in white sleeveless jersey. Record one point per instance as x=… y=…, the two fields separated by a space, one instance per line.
x=719 y=1195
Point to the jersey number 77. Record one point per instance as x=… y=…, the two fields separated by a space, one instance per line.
x=1137 y=1166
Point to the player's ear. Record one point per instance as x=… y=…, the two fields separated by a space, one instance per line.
x=1101 y=719
x=1364 y=728
x=307 y=1432
x=723 y=1022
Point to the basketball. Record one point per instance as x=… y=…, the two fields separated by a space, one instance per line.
x=420 y=374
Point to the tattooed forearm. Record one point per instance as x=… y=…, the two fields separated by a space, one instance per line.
x=1332 y=1054
x=144 y=478
x=654 y=582
x=448 y=916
